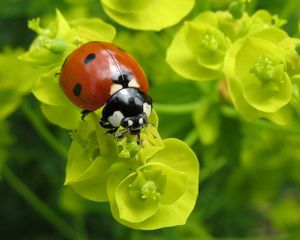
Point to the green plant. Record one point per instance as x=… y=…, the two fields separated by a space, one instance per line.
x=224 y=77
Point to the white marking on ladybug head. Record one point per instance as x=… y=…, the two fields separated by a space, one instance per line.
x=147 y=109
x=130 y=123
x=133 y=83
x=116 y=118
x=141 y=121
x=115 y=88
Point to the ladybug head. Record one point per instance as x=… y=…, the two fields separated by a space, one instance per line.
x=135 y=122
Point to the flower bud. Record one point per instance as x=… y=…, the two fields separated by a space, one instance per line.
x=237 y=9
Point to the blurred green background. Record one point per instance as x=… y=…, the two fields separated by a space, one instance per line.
x=250 y=176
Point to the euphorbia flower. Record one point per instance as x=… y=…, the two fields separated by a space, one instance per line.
x=150 y=186
x=256 y=71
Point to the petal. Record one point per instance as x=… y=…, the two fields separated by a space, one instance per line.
x=163 y=13
x=175 y=182
x=131 y=6
x=48 y=91
x=132 y=207
x=184 y=63
x=92 y=183
x=66 y=117
x=206 y=57
x=92 y=29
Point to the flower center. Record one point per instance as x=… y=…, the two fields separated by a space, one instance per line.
x=210 y=42
x=267 y=70
x=148 y=190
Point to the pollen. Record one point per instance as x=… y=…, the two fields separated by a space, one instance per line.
x=210 y=42
x=267 y=69
x=149 y=190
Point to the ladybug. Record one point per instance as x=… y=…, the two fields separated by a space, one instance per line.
x=101 y=74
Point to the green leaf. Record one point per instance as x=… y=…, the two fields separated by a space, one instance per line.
x=55 y=42
x=163 y=13
x=61 y=25
x=9 y=101
x=207 y=122
x=93 y=29
x=66 y=117
x=40 y=56
x=92 y=182
x=131 y=6
x=91 y=158
x=48 y=91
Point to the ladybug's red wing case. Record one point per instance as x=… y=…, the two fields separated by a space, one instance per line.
x=95 y=71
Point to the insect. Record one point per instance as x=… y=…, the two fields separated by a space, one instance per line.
x=100 y=74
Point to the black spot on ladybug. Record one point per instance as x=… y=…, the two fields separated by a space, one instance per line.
x=89 y=58
x=77 y=89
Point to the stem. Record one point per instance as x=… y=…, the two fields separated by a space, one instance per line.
x=158 y=42
x=191 y=137
x=176 y=108
x=43 y=131
x=231 y=113
x=47 y=213
x=278 y=128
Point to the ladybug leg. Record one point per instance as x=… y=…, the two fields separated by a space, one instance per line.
x=84 y=113
x=138 y=139
x=121 y=133
x=112 y=131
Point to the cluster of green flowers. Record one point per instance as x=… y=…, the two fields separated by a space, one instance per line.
x=155 y=184
x=148 y=186
x=258 y=60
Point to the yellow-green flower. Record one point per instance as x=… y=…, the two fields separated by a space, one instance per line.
x=256 y=72
x=150 y=186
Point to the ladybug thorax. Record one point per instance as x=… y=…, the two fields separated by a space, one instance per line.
x=129 y=108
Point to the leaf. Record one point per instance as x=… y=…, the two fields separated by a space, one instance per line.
x=48 y=91
x=9 y=101
x=93 y=29
x=207 y=121
x=163 y=13
x=66 y=117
